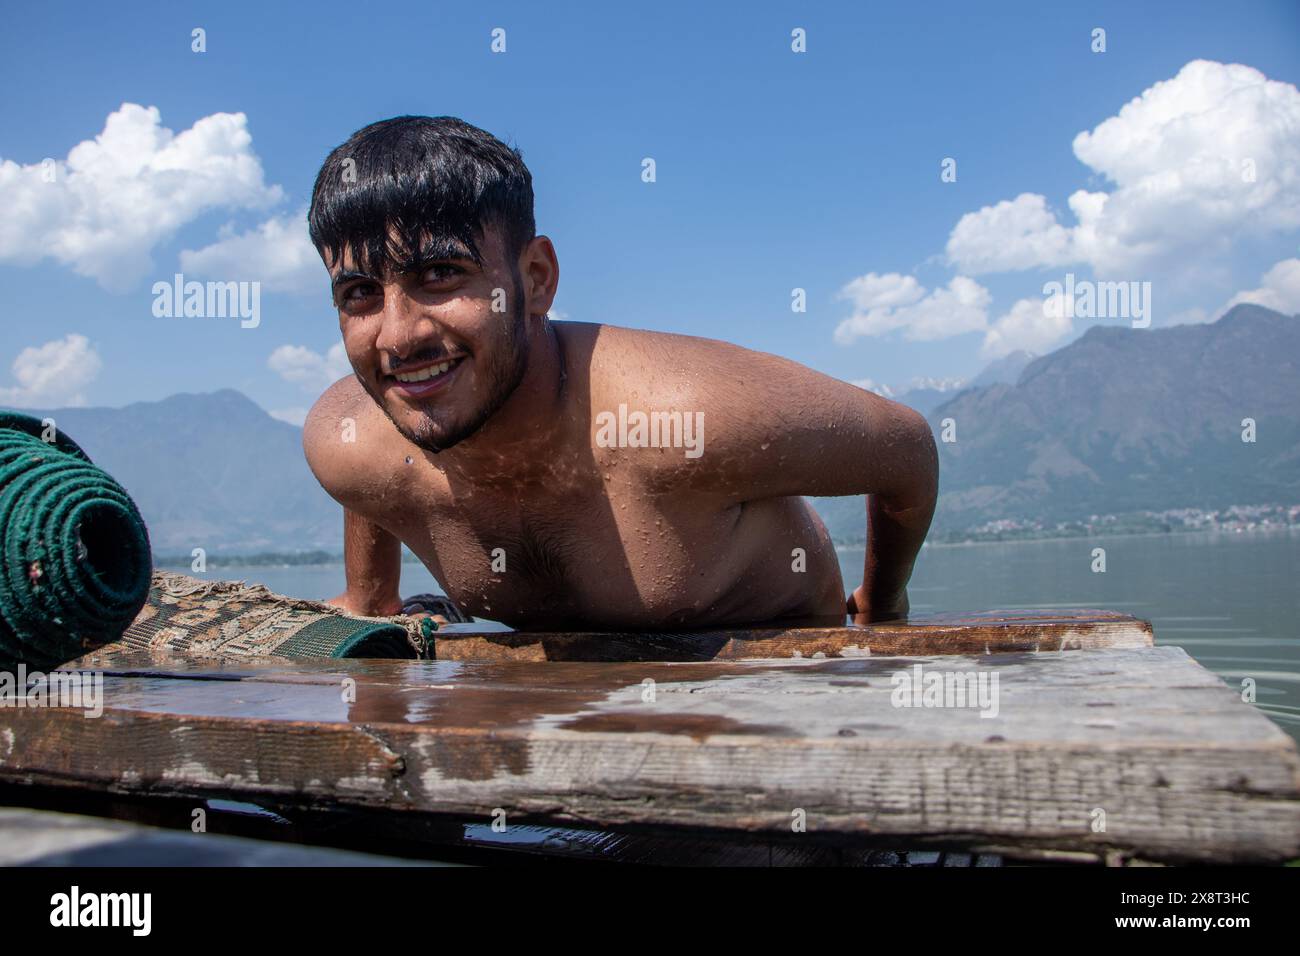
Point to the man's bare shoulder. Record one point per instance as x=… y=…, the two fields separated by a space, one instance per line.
x=737 y=386
x=341 y=402
x=608 y=340
x=343 y=431
x=765 y=425
x=629 y=365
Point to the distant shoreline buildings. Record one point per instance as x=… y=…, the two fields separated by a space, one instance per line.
x=1234 y=519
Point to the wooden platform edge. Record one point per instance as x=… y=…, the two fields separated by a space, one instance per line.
x=1173 y=796
x=992 y=633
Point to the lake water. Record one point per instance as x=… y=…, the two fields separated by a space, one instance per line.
x=1231 y=601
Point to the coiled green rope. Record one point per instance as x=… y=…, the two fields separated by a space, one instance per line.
x=75 y=562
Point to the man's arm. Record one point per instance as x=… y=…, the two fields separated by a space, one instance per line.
x=896 y=528
x=337 y=451
x=372 y=565
x=775 y=428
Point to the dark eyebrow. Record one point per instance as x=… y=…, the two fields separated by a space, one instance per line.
x=441 y=249
x=346 y=276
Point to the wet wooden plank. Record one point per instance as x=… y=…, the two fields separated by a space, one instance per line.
x=978 y=633
x=974 y=633
x=1142 y=741
x=984 y=633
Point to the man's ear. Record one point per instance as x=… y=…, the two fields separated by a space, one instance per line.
x=540 y=269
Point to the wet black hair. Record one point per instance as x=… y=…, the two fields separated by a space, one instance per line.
x=428 y=179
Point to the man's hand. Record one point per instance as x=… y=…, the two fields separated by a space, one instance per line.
x=862 y=610
x=437 y=618
x=362 y=606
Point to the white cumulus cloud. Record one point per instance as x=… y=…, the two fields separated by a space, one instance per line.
x=1280 y=289
x=1034 y=325
x=278 y=253
x=1196 y=162
x=308 y=368
x=103 y=209
x=1015 y=234
x=883 y=303
x=52 y=375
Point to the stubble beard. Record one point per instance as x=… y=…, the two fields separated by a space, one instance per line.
x=502 y=370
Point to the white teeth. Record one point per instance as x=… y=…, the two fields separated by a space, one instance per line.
x=424 y=374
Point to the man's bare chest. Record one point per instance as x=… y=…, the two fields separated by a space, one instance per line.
x=577 y=549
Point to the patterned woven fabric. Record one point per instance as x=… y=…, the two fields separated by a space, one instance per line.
x=230 y=618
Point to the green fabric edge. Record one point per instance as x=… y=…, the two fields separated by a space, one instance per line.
x=340 y=637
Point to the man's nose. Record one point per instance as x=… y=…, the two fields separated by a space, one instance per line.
x=403 y=327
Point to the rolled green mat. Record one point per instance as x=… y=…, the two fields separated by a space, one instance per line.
x=75 y=562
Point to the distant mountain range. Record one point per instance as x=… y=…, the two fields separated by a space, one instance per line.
x=213 y=471
x=1127 y=419
x=926 y=397
x=1120 y=420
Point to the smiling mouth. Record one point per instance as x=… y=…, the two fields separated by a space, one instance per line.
x=425 y=379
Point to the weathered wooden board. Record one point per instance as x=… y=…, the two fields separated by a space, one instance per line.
x=986 y=633
x=1136 y=750
x=980 y=633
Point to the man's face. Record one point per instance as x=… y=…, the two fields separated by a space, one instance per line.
x=426 y=343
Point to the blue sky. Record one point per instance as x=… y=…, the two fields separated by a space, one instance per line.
x=775 y=170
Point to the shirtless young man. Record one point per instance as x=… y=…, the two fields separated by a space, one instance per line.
x=478 y=432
